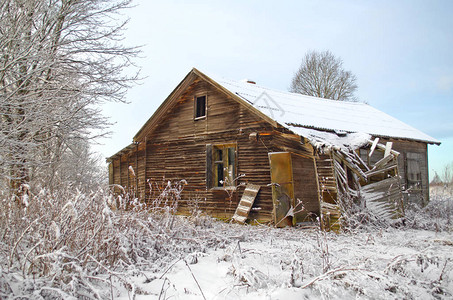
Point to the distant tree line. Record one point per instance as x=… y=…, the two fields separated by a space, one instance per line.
x=446 y=176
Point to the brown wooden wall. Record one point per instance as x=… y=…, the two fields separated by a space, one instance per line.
x=406 y=148
x=305 y=187
x=176 y=150
x=409 y=151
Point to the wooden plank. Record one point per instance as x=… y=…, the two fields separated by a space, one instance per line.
x=384 y=198
x=136 y=170
x=330 y=217
x=373 y=146
x=381 y=184
x=145 y=157
x=383 y=148
x=353 y=166
x=383 y=162
x=362 y=164
x=282 y=187
x=121 y=180
x=209 y=166
x=388 y=148
x=380 y=171
x=246 y=203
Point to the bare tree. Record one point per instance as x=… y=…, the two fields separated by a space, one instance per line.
x=321 y=74
x=77 y=168
x=59 y=59
x=436 y=179
x=447 y=174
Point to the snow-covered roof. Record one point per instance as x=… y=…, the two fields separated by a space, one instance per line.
x=326 y=139
x=295 y=110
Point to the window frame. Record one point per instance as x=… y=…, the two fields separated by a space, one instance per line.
x=414 y=184
x=195 y=107
x=213 y=163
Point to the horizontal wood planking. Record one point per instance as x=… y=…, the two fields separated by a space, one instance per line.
x=176 y=150
x=404 y=148
x=305 y=186
x=386 y=195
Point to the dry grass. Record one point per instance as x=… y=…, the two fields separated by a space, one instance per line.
x=76 y=242
x=69 y=244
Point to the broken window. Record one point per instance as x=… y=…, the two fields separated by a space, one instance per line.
x=200 y=107
x=414 y=174
x=221 y=165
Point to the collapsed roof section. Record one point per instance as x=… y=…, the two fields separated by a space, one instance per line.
x=347 y=180
x=336 y=140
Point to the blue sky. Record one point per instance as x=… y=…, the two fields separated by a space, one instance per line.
x=400 y=51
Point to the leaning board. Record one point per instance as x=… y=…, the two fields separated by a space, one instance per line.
x=246 y=203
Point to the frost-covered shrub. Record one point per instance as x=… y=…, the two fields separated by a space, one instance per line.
x=357 y=216
x=437 y=215
x=166 y=195
x=71 y=243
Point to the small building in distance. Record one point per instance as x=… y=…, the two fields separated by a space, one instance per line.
x=301 y=154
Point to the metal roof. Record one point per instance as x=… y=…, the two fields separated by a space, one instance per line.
x=295 y=110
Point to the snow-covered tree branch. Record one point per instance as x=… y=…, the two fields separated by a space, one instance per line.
x=59 y=59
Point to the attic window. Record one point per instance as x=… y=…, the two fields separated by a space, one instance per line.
x=200 y=107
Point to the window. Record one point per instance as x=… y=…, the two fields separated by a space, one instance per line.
x=200 y=107
x=221 y=165
x=414 y=174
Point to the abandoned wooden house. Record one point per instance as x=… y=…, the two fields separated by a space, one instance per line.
x=264 y=155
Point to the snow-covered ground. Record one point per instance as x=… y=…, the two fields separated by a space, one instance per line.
x=268 y=263
x=200 y=258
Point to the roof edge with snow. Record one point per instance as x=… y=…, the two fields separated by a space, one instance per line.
x=292 y=111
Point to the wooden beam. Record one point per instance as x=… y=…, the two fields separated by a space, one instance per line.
x=380 y=171
x=145 y=168
x=388 y=148
x=373 y=146
x=121 y=181
x=317 y=184
x=382 y=162
x=113 y=172
x=136 y=170
x=127 y=172
x=382 y=147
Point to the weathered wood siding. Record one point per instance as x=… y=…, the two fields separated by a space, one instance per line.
x=407 y=150
x=413 y=156
x=304 y=172
x=176 y=150
x=305 y=187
